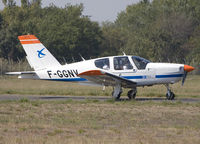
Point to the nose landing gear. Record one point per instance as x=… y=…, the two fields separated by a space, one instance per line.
x=169 y=95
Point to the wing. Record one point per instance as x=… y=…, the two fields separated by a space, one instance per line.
x=107 y=79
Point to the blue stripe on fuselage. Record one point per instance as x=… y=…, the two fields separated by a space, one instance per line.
x=69 y=79
x=134 y=77
x=126 y=77
x=157 y=76
x=169 y=76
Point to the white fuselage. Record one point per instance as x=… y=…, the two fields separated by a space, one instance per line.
x=153 y=73
x=116 y=71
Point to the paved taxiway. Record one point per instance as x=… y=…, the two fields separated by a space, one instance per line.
x=100 y=98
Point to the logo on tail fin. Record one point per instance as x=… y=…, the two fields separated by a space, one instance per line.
x=40 y=53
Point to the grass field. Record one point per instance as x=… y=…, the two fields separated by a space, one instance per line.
x=88 y=122
x=99 y=122
x=12 y=85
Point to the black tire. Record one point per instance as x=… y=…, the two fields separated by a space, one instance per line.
x=170 y=96
x=131 y=94
x=118 y=96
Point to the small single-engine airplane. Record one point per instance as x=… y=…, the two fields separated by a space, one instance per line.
x=116 y=71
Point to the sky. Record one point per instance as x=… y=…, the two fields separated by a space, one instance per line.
x=98 y=10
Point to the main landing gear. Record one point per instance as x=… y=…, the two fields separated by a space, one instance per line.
x=132 y=93
x=169 y=95
x=117 y=90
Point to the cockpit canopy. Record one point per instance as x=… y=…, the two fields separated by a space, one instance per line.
x=122 y=63
x=140 y=63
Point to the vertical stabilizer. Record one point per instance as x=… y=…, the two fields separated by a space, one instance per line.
x=37 y=54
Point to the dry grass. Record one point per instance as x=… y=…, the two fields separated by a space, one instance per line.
x=99 y=122
x=91 y=121
x=12 y=85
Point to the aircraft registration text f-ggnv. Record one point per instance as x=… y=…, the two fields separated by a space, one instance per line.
x=124 y=71
x=63 y=73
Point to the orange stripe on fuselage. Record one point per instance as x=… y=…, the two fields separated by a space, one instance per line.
x=91 y=73
x=30 y=42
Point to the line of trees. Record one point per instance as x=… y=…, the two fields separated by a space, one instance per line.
x=64 y=31
x=159 y=30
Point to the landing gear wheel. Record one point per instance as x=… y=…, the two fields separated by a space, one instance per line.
x=132 y=94
x=170 y=95
x=117 y=90
x=116 y=97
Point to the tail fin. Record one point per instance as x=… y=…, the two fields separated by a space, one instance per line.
x=37 y=54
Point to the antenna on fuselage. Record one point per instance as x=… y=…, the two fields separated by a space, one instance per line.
x=64 y=60
x=81 y=57
x=73 y=59
x=124 y=53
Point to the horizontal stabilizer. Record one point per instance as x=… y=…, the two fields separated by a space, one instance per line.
x=20 y=73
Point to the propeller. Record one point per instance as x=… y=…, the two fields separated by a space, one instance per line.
x=187 y=69
x=184 y=77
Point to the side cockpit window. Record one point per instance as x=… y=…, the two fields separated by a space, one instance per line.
x=140 y=63
x=122 y=63
x=103 y=63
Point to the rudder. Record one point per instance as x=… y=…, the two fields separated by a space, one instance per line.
x=37 y=54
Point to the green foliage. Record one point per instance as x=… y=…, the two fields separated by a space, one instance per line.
x=9 y=3
x=4 y=2
x=65 y=31
x=114 y=39
x=24 y=3
x=159 y=30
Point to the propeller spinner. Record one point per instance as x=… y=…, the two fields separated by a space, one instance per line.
x=187 y=69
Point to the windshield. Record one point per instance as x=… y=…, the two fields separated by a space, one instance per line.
x=140 y=63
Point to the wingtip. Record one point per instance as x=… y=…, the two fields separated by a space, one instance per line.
x=12 y=73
